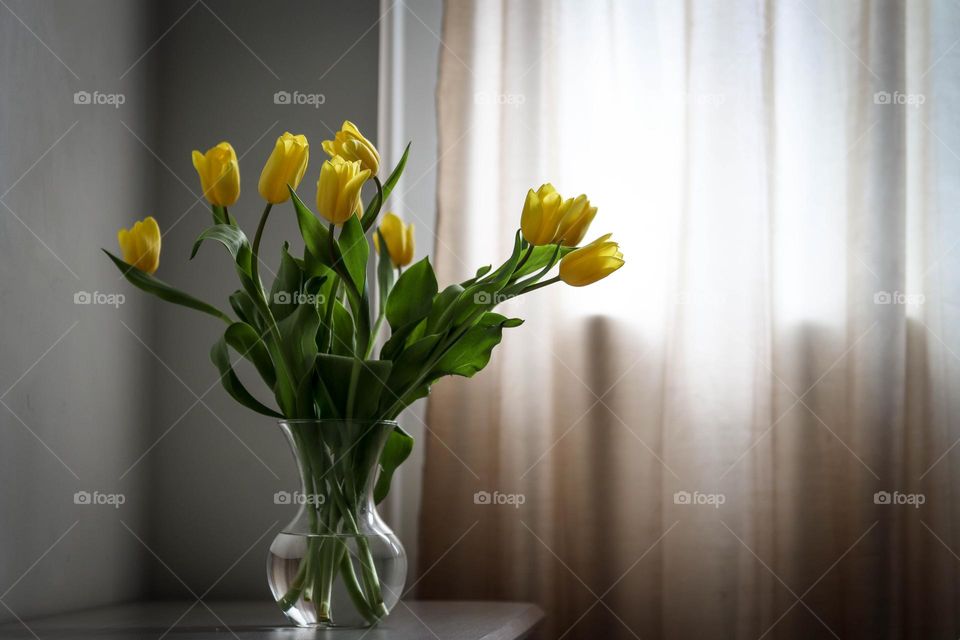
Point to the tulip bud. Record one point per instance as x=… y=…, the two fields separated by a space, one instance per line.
x=349 y=144
x=591 y=262
x=286 y=165
x=576 y=214
x=219 y=174
x=140 y=245
x=541 y=215
x=338 y=189
x=399 y=239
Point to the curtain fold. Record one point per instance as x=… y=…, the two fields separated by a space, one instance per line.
x=703 y=442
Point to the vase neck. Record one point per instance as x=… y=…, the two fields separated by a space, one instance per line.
x=338 y=462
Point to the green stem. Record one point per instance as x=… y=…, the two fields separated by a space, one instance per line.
x=540 y=285
x=255 y=266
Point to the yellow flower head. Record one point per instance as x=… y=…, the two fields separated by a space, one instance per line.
x=350 y=144
x=140 y=245
x=591 y=262
x=338 y=189
x=286 y=165
x=219 y=174
x=576 y=214
x=399 y=239
x=541 y=215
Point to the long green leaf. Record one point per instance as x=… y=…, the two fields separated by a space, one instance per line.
x=220 y=356
x=354 y=252
x=369 y=217
x=397 y=449
x=315 y=235
x=412 y=295
x=247 y=342
x=286 y=286
x=230 y=237
x=146 y=282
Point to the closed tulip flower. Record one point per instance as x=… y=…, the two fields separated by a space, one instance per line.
x=219 y=174
x=285 y=166
x=541 y=215
x=140 y=245
x=349 y=144
x=338 y=189
x=591 y=262
x=576 y=214
x=399 y=239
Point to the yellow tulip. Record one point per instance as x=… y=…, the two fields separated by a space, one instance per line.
x=541 y=215
x=140 y=245
x=338 y=189
x=576 y=214
x=219 y=174
x=350 y=144
x=399 y=239
x=285 y=166
x=591 y=262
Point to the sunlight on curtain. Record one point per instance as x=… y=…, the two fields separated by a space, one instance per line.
x=781 y=177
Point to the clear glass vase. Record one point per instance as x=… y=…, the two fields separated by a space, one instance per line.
x=337 y=564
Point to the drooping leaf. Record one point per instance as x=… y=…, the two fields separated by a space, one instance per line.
x=412 y=295
x=472 y=351
x=397 y=449
x=245 y=340
x=230 y=237
x=146 y=282
x=220 y=356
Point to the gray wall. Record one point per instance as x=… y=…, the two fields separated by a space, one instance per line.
x=216 y=470
x=74 y=381
x=123 y=416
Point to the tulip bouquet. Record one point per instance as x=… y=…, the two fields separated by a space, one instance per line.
x=331 y=345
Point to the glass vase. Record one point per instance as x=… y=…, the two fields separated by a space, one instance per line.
x=337 y=564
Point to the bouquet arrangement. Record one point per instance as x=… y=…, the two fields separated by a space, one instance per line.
x=342 y=355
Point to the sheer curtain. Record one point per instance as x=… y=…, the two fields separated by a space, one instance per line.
x=781 y=345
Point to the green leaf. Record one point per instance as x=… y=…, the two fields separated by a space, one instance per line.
x=442 y=308
x=540 y=258
x=247 y=342
x=299 y=332
x=397 y=449
x=484 y=294
x=472 y=351
x=398 y=337
x=412 y=296
x=220 y=356
x=335 y=371
x=244 y=308
x=315 y=235
x=354 y=251
x=385 y=274
x=343 y=343
x=146 y=282
x=369 y=217
x=408 y=367
x=233 y=239
x=286 y=286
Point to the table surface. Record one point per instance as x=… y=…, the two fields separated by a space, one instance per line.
x=438 y=620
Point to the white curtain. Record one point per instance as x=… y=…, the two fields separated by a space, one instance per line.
x=781 y=345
